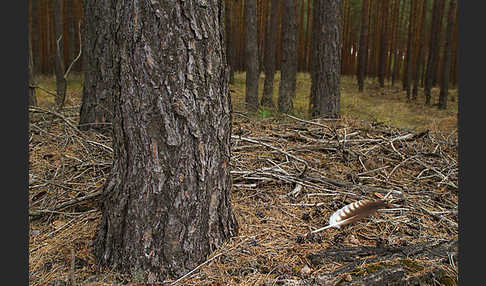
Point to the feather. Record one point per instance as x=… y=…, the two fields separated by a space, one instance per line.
x=353 y=212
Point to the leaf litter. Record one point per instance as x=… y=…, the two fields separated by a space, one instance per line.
x=289 y=176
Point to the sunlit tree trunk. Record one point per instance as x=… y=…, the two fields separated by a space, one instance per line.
x=166 y=203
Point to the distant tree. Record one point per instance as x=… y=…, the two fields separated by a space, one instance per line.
x=96 y=110
x=433 y=53
x=35 y=34
x=251 y=55
x=383 y=42
x=436 y=74
x=326 y=59
x=32 y=97
x=229 y=40
x=269 y=57
x=288 y=70
x=166 y=203
x=61 y=84
x=420 y=50
x=308 y=38
x=393 y=37
x=363 y=45
x=444 y=83
x=407 y=75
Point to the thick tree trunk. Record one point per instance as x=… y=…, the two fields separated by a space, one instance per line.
x=326 y=58
x=166 y=203
x=60 y=79
x=446 y=65
x=98 y=50
x=269 y=57
x=288 y=70
x=251 y=55
x=363 y=46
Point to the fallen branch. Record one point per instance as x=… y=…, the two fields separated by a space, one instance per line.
x=40 y=213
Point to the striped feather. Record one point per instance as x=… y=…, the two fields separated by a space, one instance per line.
x=353 y=212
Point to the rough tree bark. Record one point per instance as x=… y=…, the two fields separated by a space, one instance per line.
x=288 y=69
x=60 y=79
x=326 y=59
x=96 y=108
x=166 y=205
x=251 y=55
x=363 y=45
x=269 y=56
x=446 y=65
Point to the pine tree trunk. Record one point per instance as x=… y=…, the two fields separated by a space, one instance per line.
x=251 y=55
x=433 y=54
x=269 y=57
x=286 y=92
x=384 y=43
x=444 y=86
x=363 y=46
x=409 y=58
x=326 y=58
x=73 y=50
x=229 y=40
x=166 y=205
x=60 y=80
x=98 y=50
x=420 y=48
x=32 y=98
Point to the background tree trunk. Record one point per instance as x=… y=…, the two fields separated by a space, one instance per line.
x=60 y=79
x=420 y=47
x=383 y=43
x=269 y=57
x=98 y=50
x=325 y=87
x=165 y=205
x=363 y=46
x=251 y=55
x=229 y=39
x=444 y=83
x=32 y=98
x=407 y=77
x=433 y=50
x=288 y=69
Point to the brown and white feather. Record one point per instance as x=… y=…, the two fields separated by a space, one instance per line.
x=353 y=212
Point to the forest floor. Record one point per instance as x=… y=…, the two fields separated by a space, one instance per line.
x=289 y=175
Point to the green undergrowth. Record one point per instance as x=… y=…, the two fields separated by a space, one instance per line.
x=387 y=105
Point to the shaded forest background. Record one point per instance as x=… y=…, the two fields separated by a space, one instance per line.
x=402 y=40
